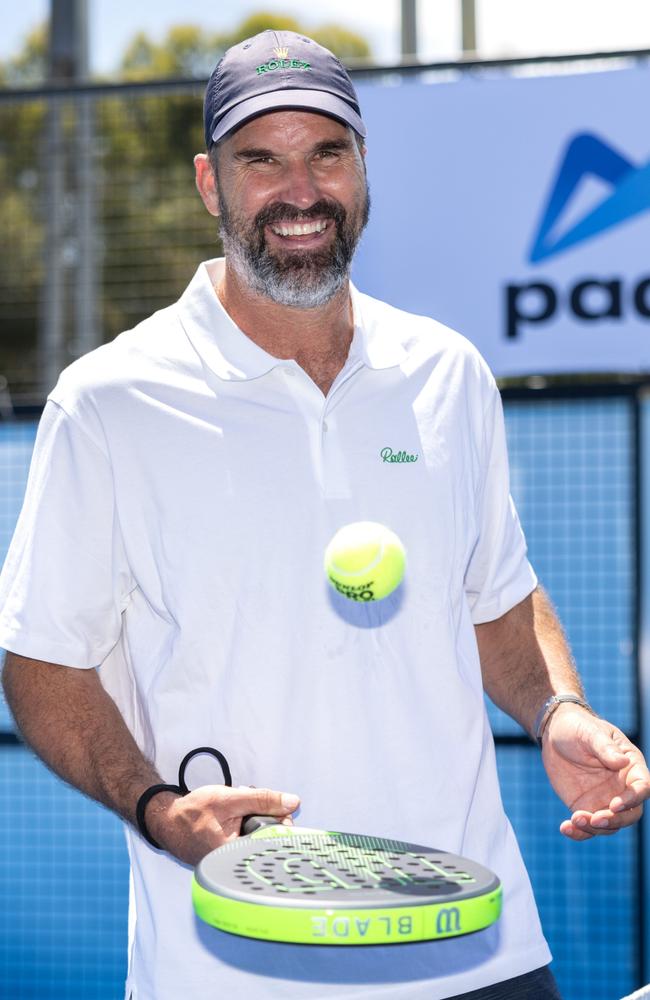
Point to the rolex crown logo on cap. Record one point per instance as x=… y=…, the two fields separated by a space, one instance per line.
x=276 y=71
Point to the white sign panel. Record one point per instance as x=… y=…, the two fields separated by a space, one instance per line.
x=516 y=210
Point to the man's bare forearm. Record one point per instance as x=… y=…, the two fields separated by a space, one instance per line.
x=76 y=728
x=525 y=658
x=71 y=722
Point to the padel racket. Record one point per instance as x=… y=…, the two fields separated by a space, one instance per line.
x=287 y=883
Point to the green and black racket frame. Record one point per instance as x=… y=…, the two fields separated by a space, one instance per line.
x=321 y=887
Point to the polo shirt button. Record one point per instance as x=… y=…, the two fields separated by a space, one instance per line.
x=325 y=427
x=291 y=372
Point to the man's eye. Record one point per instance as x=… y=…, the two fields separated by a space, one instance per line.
x=327 y=154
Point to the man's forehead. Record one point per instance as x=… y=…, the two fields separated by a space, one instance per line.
x=274 y=127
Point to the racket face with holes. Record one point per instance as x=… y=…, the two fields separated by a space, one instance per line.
x=318 y=887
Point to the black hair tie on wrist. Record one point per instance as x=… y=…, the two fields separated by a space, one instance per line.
x=143 y=801
x=179 y=789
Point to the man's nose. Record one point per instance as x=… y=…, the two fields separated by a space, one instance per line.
x=300 y=187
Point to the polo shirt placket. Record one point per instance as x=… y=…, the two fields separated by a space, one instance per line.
x=321 y=415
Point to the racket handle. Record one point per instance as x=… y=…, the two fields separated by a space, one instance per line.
x=250 y=824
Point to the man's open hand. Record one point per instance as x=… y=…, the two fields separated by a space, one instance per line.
x=597 y=772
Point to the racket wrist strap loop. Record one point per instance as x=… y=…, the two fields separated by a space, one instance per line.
x=550 y=706
x=143 y=802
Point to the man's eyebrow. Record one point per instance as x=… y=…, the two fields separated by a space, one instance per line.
x=335 y=144
x=253 y=153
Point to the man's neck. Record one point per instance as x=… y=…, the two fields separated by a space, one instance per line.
x=318 y=339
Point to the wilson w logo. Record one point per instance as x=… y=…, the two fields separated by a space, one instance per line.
x=448 y=920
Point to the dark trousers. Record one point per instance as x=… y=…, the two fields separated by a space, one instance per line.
x=538 y=985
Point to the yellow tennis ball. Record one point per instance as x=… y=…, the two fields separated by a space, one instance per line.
x=365 y=561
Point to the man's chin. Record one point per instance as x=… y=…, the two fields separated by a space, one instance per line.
x=302 y=287
x=302 y=279
x=294 y=259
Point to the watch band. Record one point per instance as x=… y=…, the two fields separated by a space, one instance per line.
x=550 y=705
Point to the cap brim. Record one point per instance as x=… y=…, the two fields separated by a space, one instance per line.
x=300 y=100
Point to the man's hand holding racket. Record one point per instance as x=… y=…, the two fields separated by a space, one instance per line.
x=190 y=826
x=596 y=771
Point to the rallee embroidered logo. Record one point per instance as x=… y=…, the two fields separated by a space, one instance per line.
x=388 y=455
x=281 y=61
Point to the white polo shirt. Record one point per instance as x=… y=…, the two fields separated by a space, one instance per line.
x=184 y=486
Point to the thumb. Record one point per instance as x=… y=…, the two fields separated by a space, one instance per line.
x=607 y=752
x=263 y=802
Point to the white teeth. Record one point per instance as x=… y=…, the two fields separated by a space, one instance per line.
x=299 y=229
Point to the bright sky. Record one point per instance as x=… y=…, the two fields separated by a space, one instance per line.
x=504 y=27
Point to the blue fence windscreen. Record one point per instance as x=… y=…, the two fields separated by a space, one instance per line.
x=572 y=471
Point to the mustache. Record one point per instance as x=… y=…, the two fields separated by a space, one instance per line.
x=323 y=209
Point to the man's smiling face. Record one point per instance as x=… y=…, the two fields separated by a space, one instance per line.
x=293 y=200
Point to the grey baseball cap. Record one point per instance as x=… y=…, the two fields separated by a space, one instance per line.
x=275 y=71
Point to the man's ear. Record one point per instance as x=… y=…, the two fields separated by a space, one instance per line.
x=206 y=183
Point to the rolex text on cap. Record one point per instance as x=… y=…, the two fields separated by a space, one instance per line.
x=277 y=70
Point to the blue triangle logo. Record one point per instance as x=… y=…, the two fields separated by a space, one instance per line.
x=586 y=154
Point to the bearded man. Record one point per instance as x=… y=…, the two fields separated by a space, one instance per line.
x=164 y=589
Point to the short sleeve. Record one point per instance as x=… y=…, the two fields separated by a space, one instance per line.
x=65 y=581
x=498 y=574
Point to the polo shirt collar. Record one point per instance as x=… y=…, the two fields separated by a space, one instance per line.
x=373 y=343
x=233 y=356
x=215 y=337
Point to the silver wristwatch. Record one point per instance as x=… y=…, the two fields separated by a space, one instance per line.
x=549 y=706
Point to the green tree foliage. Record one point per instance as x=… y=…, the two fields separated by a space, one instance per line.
x=262 y=22
x=150 y=227
x=345 y=44
x=186 y=51
x=29 y=67
x=191 y=52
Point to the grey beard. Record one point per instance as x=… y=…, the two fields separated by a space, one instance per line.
x=308 y=286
